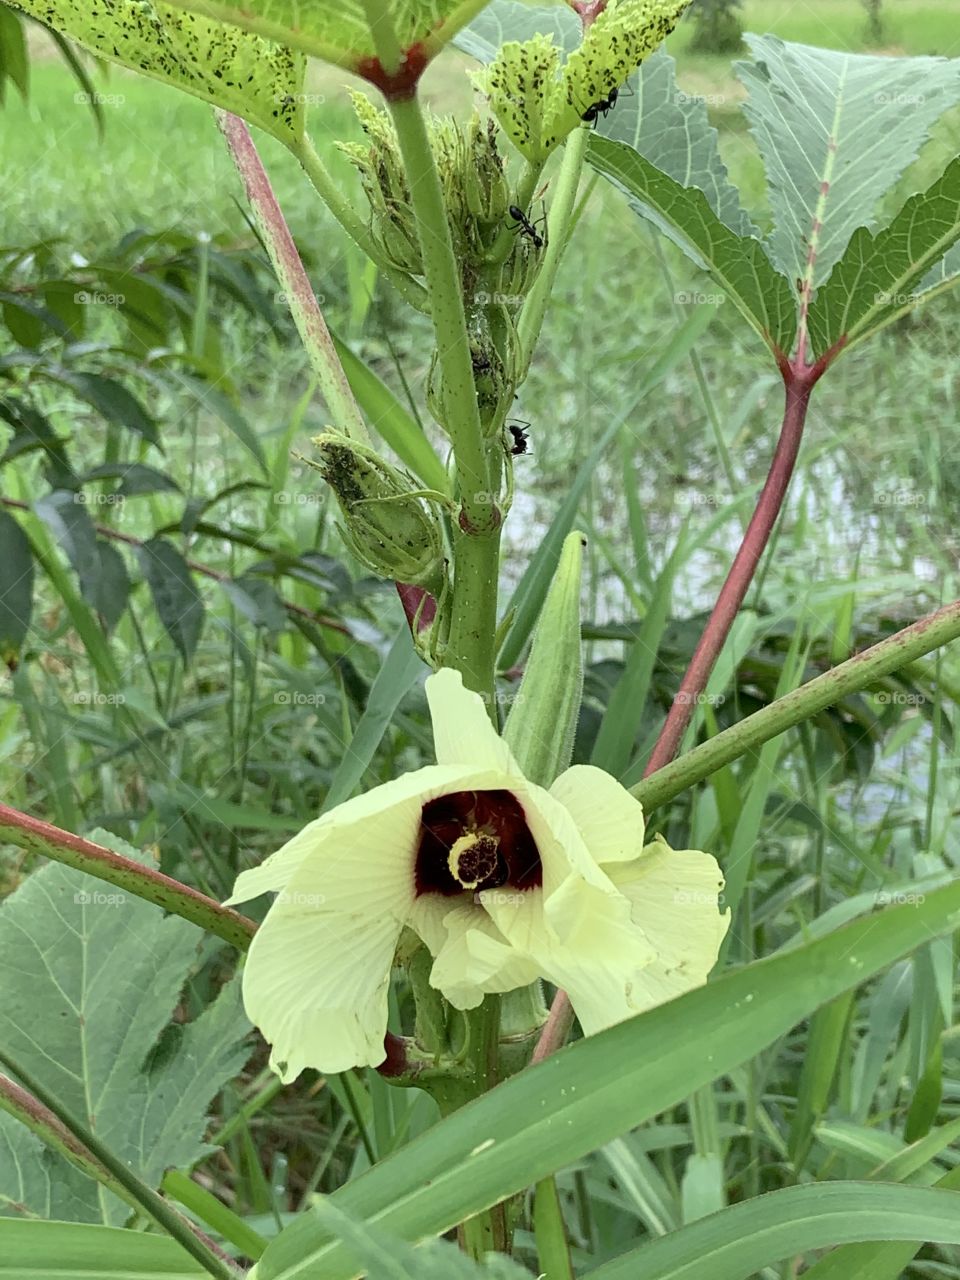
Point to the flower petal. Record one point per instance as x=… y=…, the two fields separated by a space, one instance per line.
x=581 y=939
x=462 y=730
x=674 y=900
x=607 y=816
x=273 y=873
x=475 y=958
x=563 y=851
x=317 y=975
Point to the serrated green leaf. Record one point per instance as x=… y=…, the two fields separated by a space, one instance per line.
x=835 y=131
x=506 y=20
x=539 y=97
x=176 y=597
x=241 y=72
x=65 y=1251
x=738 y=264
x=602 y=1086
x=257 y=600
x=16 y=587
x=89 y=977
x=880 y=275
x=339 y=33
x=673 y=131
x=100 y=568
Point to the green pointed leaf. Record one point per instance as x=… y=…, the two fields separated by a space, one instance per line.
x=65 y=514
x=16 y=587
x=401 y=667
x=602 y=1086
x=92 y=1024
x=241 y=72
x=835 y=130
x=113 y=588
x=386 y=1258
x=875 y=1259
x=878 y=277
x=738 y=264
x=64 y=1251
x=177 y=600
x=14 y=60
x=112 y=401
x=738 y=1242
x=386 y=415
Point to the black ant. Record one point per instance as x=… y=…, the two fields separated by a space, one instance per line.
x=601 y=108
x=523 y=224
x=605 y=105
x=519 y=432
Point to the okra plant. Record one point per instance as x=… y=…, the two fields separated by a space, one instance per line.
x=501 y=866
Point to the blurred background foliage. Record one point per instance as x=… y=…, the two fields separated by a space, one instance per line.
x=201 y=652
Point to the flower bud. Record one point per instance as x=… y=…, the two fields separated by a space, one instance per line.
x=485 y=185
x=543 y=719
x=392 y=223
x=387 y=526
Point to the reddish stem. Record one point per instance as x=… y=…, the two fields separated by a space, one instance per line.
x=143 y=881
x=799 y=380
x=555 y=1029
x=799 y=383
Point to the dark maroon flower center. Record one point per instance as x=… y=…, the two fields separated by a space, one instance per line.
x=473 y=840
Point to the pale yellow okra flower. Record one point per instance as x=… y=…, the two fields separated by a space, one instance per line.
x=503 y=880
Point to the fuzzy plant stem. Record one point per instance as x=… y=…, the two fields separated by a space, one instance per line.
x=864 y=669
x=149 y=1202
x=476 y=551
x=292 y=277
x=799 y=385
x=558 y=228
x=153 y=886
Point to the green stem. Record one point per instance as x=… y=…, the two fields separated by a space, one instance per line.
x=472 y=643
x=146 y=1199
x=477 y=543
x=83 y=855
x=292 y=277
x=344 y=212
x=558 y=225
x=864 y=669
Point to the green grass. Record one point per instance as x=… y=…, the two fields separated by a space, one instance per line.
x=840 y=811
